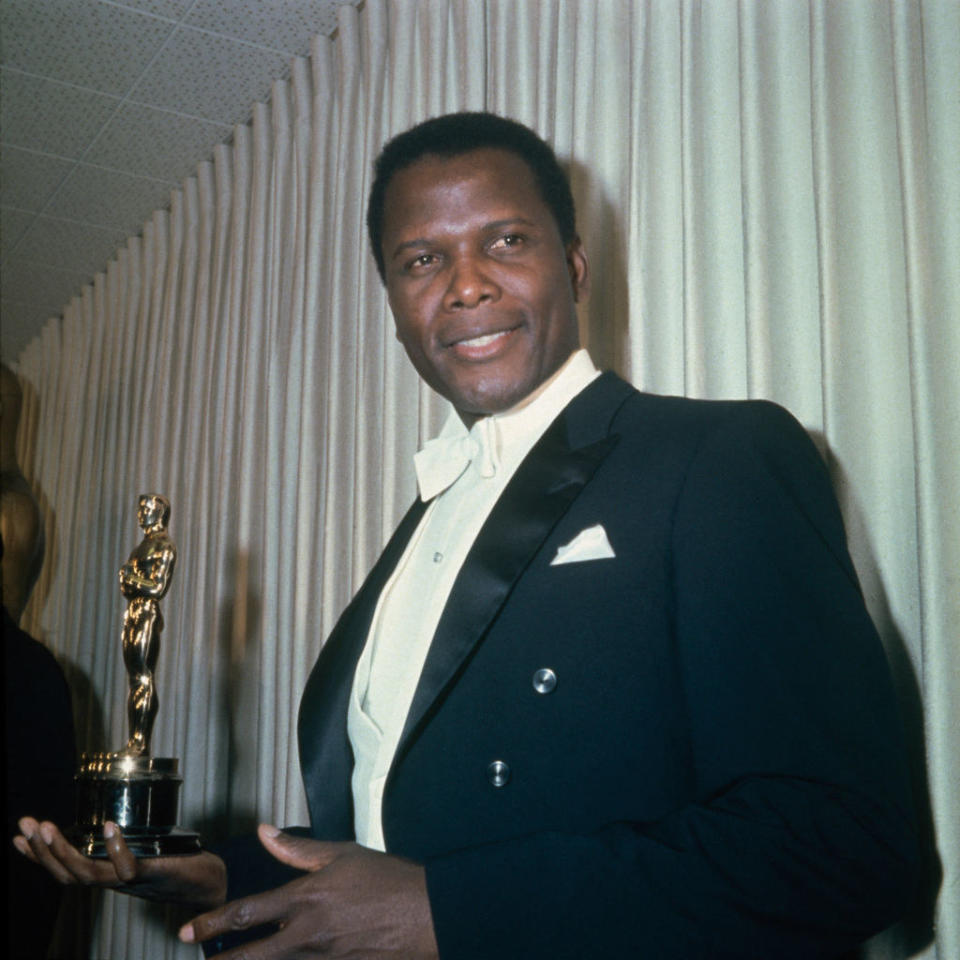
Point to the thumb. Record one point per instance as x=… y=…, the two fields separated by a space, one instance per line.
x=304 y=853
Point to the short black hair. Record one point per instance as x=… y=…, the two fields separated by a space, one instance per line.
x=457 y=133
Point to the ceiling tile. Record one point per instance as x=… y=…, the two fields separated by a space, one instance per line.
x=85 y=42
x=109 y=198
x=283 y=24
x=209 y=76
x=156 y=143
x=54 y=117
x=68 y=70
x=19 y=324
x=70 y=246
x=172 y=9
x=47 y=292
x=29 y=179
x=44 y=288
x=13 y=225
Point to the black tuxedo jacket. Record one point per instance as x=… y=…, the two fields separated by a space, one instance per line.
x=717 y=770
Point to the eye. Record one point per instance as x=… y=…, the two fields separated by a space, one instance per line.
x=508 y=241
x=420 y=263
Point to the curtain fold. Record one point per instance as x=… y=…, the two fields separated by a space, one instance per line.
x=769 y=198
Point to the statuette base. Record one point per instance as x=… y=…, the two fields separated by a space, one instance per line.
x=140 y=795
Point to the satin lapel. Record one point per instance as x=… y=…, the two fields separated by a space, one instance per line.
x=326 y=760
x=541 y=491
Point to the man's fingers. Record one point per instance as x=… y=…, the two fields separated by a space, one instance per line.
x=43 y=843
x=304 y=853
x=28 y=827
x=49 y=848
x=21 y=844
x=124 y=862
x=37 y=841
x=269 y=907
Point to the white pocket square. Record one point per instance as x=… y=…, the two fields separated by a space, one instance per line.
x=589 y=544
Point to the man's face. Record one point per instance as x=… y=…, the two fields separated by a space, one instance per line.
x=481 y=286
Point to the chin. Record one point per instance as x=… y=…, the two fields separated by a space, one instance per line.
x=487 y=404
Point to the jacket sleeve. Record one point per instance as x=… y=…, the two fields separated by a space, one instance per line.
x=798 y=841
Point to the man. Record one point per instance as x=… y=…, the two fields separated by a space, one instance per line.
x=611 y=689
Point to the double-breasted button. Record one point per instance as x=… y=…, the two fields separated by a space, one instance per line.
x=498 y=773
x=545 y=680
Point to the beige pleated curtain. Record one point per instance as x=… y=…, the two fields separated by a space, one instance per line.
x=769 y=195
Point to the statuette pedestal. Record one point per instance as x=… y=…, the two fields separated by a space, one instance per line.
x=140 y=795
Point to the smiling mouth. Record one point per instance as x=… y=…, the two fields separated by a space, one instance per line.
x=482 y=340
x=482 y=346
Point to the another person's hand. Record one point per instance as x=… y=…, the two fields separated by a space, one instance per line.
x=354 y=902
x=198 y=880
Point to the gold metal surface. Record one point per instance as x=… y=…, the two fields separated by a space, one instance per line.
x=144 y=581
x=123 y=765
x=138 y=792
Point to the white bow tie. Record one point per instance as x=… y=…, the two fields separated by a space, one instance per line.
x=443 y=460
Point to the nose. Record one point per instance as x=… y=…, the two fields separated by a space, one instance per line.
x=470 y=285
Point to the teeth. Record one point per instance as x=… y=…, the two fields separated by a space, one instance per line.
x=480 y=341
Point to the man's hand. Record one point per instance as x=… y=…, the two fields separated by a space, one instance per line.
x=354 y=903
x=198 y=880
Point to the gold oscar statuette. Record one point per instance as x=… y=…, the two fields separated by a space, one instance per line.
x=136 y=791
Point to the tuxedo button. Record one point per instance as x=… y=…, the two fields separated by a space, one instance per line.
x=498 y=773
x=545 y=681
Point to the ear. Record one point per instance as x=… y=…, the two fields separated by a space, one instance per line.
x=579 y=269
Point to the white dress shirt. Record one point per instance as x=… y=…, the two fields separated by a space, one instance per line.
x=462 y=474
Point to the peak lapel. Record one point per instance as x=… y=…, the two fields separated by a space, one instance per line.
x=560 y=464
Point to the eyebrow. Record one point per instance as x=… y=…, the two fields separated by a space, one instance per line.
x=490 y=227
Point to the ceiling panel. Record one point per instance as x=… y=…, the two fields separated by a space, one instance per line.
x=172 y=9
x=29 y=178
x=13 y=226
x=205 y=75
x=47 y=288
x=155 y=143
x=283 y=24
x=70 y=246
x=50 y=116
x=105 y=107
x=109 y=198
x=97 y=45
